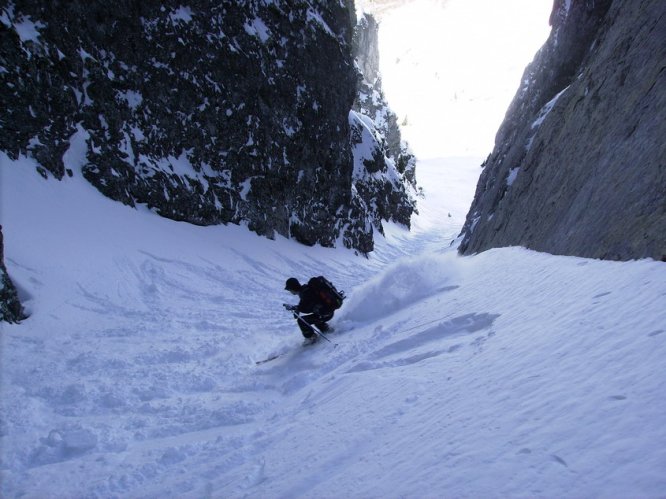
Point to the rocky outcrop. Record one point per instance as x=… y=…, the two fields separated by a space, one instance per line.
x=377 y=182
x=10 y=306
x=208 y=112
x=384 y=168
x=579 y=164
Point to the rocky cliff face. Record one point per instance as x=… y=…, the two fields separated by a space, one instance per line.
x=579 y=164
x=205 y=111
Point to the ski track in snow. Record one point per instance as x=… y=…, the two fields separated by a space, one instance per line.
x=507 y=373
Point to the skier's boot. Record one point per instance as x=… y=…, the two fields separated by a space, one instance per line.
x=309 y=340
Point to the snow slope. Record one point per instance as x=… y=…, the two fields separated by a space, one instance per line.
x=503 y=374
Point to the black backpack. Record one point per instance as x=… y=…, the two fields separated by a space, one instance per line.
x=326 y=292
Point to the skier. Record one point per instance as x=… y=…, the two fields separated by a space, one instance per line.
x=314 y=308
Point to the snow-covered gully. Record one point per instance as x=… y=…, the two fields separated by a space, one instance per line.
x=506 y=373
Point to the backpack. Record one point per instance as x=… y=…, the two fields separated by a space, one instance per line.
x=326 y=292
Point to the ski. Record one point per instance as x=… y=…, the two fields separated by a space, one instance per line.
x=304 y=345
x=314 y=329
x=278 y=355
x=268 y=359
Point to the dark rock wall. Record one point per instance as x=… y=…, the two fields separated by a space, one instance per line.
x=579 y=164
x=221 y=111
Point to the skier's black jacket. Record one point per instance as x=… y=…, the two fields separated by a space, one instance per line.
x=311 y=303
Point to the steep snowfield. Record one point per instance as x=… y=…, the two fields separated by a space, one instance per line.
x=507 y=373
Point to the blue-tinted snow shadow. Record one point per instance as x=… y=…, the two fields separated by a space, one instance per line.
x=458 y=326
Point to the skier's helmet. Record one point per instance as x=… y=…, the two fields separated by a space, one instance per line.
x=292 y=284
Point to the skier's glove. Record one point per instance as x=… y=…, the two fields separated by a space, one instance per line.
x=291 y=308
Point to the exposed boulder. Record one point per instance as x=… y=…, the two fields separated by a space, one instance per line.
x=10 y=306
x=579 y=164
x=214 y=112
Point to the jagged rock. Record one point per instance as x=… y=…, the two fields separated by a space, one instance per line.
x=578 y=165
x=10 y=306
x=377 y=182
x=384 y=168
x=371 y=100
x=214 y=112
